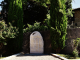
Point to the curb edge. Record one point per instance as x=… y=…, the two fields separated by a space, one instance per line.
x=10 y=56
x=60 y=57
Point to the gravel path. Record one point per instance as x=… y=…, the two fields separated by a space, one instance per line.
x=33 y=57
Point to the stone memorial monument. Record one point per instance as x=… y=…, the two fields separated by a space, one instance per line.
x=36 y=43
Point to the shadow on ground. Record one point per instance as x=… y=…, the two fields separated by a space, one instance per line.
x=33 y=55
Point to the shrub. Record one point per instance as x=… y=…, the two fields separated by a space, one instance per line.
x=78 y=48
x=47 y=20
x=7 y=32
x=75 y=51
x=35 y=27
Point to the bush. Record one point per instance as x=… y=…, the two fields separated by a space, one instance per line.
x=35 y=27
x=78 y=48
x=75 y=51
x=7 y=32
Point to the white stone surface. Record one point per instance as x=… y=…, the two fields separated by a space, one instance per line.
x=36 y=43
x=42 y=57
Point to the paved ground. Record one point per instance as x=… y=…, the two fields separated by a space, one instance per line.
x=33 y=57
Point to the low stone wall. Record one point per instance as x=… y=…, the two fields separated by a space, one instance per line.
x=72 y=34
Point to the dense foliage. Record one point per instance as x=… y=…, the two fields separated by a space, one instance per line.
x=15 y=16
x=28 y=11
x=58 y=24
x=7 y=32
x=33 y=12
x=32 y=9
x=35 y=27
x=40 y=2
x=75 y=51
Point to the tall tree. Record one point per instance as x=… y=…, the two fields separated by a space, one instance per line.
x=15 y=16
x=58 y=24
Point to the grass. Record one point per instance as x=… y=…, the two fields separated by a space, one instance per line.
x=68 y=56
